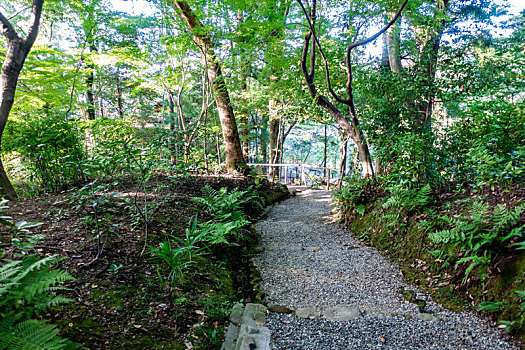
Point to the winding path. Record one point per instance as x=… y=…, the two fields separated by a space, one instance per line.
x=346 y=295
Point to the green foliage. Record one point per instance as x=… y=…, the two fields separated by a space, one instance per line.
x=30 y=335
x=49 y=146
x=27 y=288
x=354 y=195
x=227 y=208
x=404 y=198
x=177 y=254
x=478 y=235
x=487 y=147
x=223 y=204
x=519 y=322
x=93 y=202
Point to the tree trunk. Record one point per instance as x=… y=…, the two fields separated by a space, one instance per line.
x=232 y=144
x=172 y=142
x=342 y=165
x=324 y=153
x=244 y=121
x=350 y=127
x=264 y=142
x=17 y=51
x=90 y=98
x=393 y=41
x=429 y=41
x=119 y=98
x=274 y=128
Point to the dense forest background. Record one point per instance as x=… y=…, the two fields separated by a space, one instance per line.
x=420 y=105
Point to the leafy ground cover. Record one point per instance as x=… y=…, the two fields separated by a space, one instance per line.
x=463 y=246
x=119 y=295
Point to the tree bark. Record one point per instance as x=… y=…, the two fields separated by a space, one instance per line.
x=244 y=121
x=324 y=152
x=342 y=165
x=232 y=144
x=429 y=42
x=172 y=142
x=17 y=51
x=274 y=129
x=119 y=99
x=264 y=142
x=393 y=44
x=90 y=98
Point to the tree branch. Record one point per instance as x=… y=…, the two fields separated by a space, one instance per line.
x=349 y=102
x=360 y=43
x=34 y=23
x=7 y=28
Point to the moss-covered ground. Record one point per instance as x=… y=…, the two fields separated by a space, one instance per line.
x=119 y=300
x=403 y=235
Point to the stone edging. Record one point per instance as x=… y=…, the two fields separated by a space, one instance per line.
x=246 y=330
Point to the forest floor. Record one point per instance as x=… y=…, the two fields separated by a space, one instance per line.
x=337 y=293
x=118 y=300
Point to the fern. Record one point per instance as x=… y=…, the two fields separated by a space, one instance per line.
x=220 y=203
x=27 y=288
x=477 y=234
x=30 y=335
x=408 y=198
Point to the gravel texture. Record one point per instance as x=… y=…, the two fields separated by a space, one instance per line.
x=310 y=262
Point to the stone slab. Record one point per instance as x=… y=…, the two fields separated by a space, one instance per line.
x=342 y=314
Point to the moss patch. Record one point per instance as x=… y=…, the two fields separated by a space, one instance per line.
x=403 y=237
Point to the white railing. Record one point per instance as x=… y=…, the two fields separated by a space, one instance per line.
x=305 y=174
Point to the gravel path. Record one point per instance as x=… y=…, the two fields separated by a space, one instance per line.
x=348 y=295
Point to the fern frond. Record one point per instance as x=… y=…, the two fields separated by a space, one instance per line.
x=30 y=335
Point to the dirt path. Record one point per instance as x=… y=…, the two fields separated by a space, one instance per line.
x=346 y=295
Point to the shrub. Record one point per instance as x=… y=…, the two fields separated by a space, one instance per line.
x=50 y=148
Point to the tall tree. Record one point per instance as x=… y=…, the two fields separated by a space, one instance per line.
x=351 y=127
x=87 y=13
x=17 y=50
x=232 y=143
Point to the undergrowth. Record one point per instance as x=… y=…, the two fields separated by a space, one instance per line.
x=468 y=251
x=28 y=286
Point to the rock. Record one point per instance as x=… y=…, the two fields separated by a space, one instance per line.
x=342 y=314
x=280 y=309
x=230 y=338
x=427 y=317
x=307 y=313
x=236 y=314
x=313 y=249
x=246 y=329
x=119 y=308
x=374 y=313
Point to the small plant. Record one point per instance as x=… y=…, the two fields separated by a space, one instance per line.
x=410 y=199
x=93 y=201
x=477 y=235
x=113 y=268
x=520 y=318
x=27 y=288
x=177 y=258
x=227 y=210
x=353 y=197
x=223 y=205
